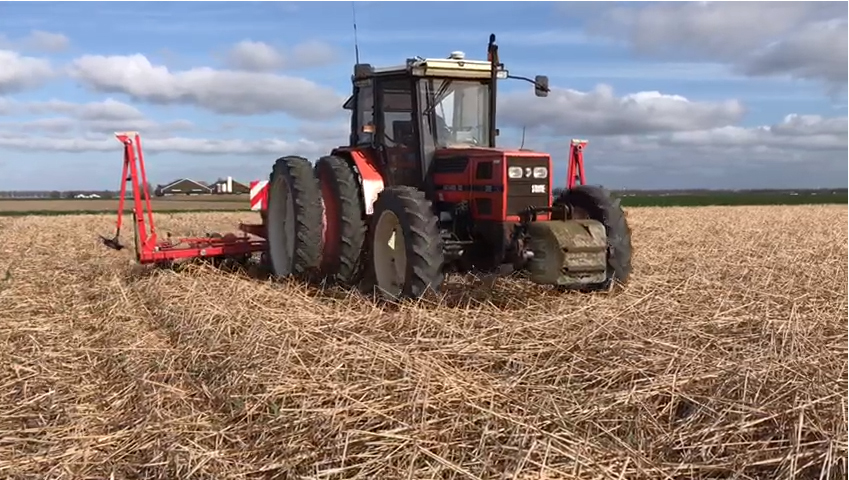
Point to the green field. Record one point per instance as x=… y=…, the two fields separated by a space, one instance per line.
x=733 y=198
x=23 y=207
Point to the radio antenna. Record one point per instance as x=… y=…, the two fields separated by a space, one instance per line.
x=522 y=146
x=356 y=43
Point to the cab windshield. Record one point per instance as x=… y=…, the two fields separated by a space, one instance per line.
x=457 y=112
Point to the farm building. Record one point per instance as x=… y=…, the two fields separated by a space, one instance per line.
x=230 y=186
x=183 y=186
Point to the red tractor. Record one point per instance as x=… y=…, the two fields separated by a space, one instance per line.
x=422 y=190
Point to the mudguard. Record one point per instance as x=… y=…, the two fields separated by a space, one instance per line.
x=568 y=253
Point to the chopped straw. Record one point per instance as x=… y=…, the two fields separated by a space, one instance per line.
x=726 y=357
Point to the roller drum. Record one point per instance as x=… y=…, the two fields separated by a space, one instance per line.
x=567 y=253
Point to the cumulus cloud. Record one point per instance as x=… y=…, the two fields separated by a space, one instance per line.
x=38 y=40
x=220 y=91
x=795 y=138
x=601 y=112
x=19 y=73
x=109 y=109
x=46 y=41
x=799 y=151
x=89 y=127
x=806 y=40
x=101 y=118
x=795 y=132
x=184 y=145
x=255 y=56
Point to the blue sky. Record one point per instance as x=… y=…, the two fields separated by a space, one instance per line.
x=670 y=95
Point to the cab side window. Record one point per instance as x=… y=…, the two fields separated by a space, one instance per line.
x=397 y=113
x=365 y=113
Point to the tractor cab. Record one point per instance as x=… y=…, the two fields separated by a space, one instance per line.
x=410 y=113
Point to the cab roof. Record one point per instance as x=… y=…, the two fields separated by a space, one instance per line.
x=454 y=67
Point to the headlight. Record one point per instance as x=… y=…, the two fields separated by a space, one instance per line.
x=540 y=172
x=514 y=172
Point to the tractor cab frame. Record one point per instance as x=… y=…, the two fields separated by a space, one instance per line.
x=407 y=113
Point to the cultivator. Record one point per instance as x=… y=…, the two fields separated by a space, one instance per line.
x=421 y=190
x=149 y=248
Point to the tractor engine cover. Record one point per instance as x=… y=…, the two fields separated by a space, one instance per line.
x=567 y=252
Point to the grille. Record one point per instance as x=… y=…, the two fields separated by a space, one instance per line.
x=450 y=164
x=519 y=193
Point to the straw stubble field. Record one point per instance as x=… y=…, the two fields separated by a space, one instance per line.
x=725 y=358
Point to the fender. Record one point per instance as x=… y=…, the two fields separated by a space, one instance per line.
x=371 y=181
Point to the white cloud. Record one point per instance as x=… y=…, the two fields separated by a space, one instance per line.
x=109 y=109
x=796 y=138
x=255 y=56
x=100 y=118
x=601 y=112
x=795 y=133
x=38 y=40
x=806 y=40
x=46 y=41
x=18 y=73
x=800 y=151
x=185 y=145
x=220 y=91
x=89 y=127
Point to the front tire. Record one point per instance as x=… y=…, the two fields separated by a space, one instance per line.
x=406 y=253
x=596 y=203
x=293 y=220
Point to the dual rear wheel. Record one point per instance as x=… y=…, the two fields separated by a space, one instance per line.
x=317 y=230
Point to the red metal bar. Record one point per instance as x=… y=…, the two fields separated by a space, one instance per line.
x=144 y=187
x=151 y=251
x=123 y=193
x=187 y=248
x=575 y=173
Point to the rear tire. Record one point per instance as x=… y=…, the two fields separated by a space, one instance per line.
x=402 y=215
x=293 y=220
x=345 y=229
x=596 y=203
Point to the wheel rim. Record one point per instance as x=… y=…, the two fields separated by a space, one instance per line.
x=329 y=220
x=390 y=254
x=281 y=227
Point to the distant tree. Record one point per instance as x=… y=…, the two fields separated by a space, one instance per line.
x=55 y=194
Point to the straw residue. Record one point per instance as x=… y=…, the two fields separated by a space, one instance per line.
x=725 y=358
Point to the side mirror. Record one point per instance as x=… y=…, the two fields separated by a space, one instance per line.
x=541 y=86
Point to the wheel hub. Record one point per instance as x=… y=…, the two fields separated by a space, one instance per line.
x=390 y=255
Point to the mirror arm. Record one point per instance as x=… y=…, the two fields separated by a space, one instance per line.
x=537 y=85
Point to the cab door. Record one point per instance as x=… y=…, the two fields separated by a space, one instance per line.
x=396 y=130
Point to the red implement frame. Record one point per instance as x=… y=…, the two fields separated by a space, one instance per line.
x=148 y=248
x=576 y=163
